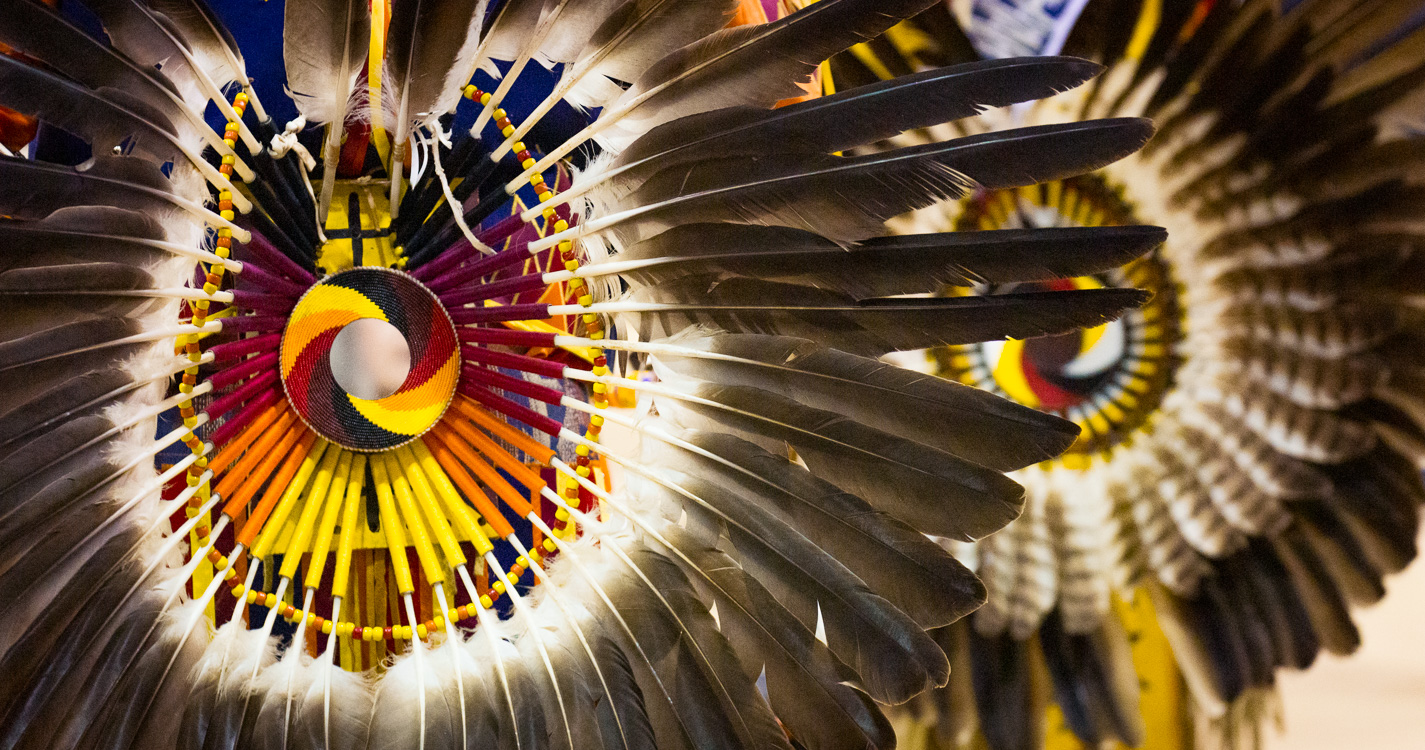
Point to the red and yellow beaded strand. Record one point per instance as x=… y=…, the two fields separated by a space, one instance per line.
x=189 y=345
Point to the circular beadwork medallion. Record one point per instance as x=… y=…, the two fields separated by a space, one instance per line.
x=1109 y=379
x=348 y=420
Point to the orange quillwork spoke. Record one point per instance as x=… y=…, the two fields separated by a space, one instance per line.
x=242 y=440
x=259 y=462
x=451 y=458
x=278 y=487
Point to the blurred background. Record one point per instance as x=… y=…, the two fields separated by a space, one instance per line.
x=1374 y=699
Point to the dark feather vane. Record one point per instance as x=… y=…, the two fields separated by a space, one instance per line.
x=869 y=327
x=767 y=565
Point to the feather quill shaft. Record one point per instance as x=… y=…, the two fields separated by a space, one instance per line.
x=819 y=30
x=104 y=117
x=35 y=29
x=33 y=190
x=201 y=27
x=323 y=49
x=150 y=35
x=487 y=621
x=686 y=19
x=426 y=43
x=849 y=195
x=902 y=264
x=919 y=662
x=837 y=122
x=539 y=642
x=865 y=327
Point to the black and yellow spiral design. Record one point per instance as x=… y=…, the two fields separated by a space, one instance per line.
x=345 y=419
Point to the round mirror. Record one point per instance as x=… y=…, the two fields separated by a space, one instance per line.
x=370 y=358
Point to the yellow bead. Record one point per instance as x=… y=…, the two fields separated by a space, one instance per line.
x=528 y=163
x=522 y=562
x=517 y=146
x=583 y=471
x=582 y=450
x=596 y=335
x=597 y=420
x=270 y=601
x=470 y=610
x=421 y=629
x=561 y=514
x=600 y=388
x=507 y=132
x=549 y=545
x=252 y=597
x=486 y=602
x=544 y=196
x=484 y=98
x=561 y=225
x=327 y=628
x=237 y=591
x=590 y=318
x=498 y=586
x=347 y=628
x=241 y=97
x=438 y=622
x=227 y=215
x=500 y=114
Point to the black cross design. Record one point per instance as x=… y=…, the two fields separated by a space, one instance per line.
x=353 y=230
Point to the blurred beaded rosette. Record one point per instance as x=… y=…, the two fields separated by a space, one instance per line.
x=1247 y=467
